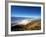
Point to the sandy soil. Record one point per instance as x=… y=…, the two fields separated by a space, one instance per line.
x=34 y=25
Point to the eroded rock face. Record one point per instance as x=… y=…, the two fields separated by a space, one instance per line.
x=27 y=25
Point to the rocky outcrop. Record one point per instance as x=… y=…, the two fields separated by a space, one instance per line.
x=34 y=25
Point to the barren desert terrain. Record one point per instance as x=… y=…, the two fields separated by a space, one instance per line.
x=33 y=25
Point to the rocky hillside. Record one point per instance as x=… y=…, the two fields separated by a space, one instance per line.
x=33 y=25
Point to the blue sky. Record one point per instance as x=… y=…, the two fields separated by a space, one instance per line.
x=22 y=11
